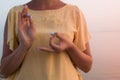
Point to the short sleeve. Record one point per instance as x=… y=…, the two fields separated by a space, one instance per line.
x=82 y=35
x=12 y=39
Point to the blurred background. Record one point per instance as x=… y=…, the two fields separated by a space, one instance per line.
x=103 y=19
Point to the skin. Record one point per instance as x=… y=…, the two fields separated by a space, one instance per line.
x=83 y=60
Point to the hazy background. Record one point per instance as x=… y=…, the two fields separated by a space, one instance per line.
x=103 y=18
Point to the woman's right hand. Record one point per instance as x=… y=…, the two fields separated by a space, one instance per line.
x=25 y=28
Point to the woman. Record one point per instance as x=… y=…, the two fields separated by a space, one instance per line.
x=45 y=40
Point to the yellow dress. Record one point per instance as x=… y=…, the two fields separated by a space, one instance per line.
x=39 y=65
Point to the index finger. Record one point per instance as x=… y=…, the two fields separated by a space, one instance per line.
x=25 y=11
x=59 y=36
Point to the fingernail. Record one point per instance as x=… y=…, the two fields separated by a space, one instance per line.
x=29 y=15
x=52 y=33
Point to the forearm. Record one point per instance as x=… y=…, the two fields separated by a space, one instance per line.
x=80 y=59
x=11 y=63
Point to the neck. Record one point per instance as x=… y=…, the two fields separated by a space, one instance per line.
x=45 y=4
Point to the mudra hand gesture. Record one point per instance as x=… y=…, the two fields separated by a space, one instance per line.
x=25 y=28
x=63 y=45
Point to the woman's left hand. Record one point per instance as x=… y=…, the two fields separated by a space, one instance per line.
x=63 y=45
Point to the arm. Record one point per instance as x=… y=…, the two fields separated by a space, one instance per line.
x=11 y=60
x=82 y=60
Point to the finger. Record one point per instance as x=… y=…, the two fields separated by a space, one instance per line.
x=31 y=21
x=47 y=49
x=58 y=36
x=31 y=27
x=25 y=11
x=53 y=44
x=28 y=21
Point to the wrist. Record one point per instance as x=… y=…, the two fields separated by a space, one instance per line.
x=72 y=46
x=24 y=47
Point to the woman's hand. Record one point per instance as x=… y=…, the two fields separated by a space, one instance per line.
x=63 y=45
x=25 y=28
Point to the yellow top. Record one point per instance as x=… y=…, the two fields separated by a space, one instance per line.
x=39 y=65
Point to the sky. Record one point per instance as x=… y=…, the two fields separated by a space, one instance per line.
x=103 y=19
